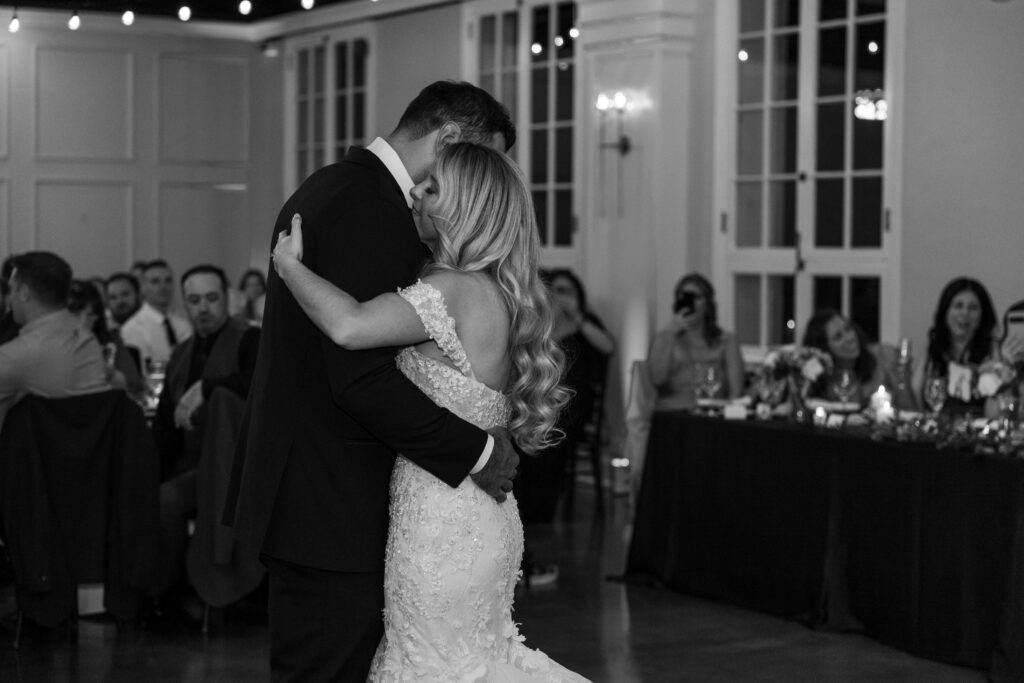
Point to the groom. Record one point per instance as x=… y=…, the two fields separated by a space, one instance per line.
x=310 y=480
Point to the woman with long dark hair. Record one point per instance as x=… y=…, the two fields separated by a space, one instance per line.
x=692 y=343
x=122 y=369
x=961 y=338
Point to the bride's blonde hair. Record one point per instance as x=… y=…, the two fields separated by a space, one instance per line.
x=488 y=225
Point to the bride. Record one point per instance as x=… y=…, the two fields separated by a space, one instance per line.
x=478 y=332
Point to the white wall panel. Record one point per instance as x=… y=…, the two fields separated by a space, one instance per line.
x=204 y=224
x=203 y=109
x=5 y=220
x=84 y=104
x=87 y=223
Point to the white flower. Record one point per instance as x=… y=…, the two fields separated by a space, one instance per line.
x=772 y=359
x=989 y=383
x=812 y=369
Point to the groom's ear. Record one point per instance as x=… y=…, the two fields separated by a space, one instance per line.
x=447 y=134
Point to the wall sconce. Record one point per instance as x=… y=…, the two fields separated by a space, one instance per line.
x=619 y=104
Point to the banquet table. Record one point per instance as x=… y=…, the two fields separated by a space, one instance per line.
x=918 y=547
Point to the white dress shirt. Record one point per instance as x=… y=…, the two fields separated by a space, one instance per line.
x=386 y=153
x=145 y=331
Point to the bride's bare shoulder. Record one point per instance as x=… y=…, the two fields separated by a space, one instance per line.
x=469 y=296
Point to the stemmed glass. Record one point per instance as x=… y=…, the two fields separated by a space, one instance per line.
x=845 y=385
x=935 y=391
x=155 y=374
x=709 y=380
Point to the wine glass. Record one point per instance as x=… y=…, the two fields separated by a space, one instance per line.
x=844 y=384
x=709 y=380
x=156 y=372
x=935 y=391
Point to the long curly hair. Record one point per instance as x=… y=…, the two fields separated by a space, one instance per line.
x=940 y=341
x=489 y=226
x=815 y=335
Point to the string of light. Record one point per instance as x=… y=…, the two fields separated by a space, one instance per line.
x=245 y=8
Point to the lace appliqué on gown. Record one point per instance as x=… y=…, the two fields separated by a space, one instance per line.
x=453 y=555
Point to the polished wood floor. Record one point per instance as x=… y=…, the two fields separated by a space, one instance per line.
x=605 y=630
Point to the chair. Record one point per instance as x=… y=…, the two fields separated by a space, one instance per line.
x=591 y=438
x=79 y=504
x=219 y=568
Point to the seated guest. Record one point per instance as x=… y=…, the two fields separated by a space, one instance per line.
x=154 y=330
x=8 y=328
x=258 y=304
x=122 y=366
x=1011 y=348
x=253 y=285
x=122 y=298
x=690 y=344
x=960 y=340
x=222 y=353
x=587 y=347
x=52 y=356
x=848 y=346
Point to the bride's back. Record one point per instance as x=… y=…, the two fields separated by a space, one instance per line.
x=482 y=323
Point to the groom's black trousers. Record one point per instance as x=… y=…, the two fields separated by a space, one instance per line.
x=324 y=626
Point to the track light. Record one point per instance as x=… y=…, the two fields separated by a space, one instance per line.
x=15 y=22
x=75 y=21
x=184 y=12
x=308 y=4
x=244 y=7
x=128 y=18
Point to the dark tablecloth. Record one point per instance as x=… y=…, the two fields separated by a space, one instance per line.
x=919 y=548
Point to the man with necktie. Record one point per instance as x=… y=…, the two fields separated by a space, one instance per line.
x=154 y=329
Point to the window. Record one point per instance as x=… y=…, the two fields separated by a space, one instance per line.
x=804 y=222
x=532 y=71
x=327 y=94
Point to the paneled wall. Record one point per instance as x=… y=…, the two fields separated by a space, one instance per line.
x=119 y=144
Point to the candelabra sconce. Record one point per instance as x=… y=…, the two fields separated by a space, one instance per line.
x=619 y=104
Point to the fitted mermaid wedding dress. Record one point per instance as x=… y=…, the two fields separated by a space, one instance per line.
x=453 y=555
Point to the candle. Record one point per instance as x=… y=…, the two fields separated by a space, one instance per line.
x=885 y=413
x=880 y=398
x=820 y=417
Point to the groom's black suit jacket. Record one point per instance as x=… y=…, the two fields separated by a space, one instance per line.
x=312 y=469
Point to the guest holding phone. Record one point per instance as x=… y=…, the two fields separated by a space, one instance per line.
x=693 y=355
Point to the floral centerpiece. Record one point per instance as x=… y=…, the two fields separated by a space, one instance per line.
x=995 y=377
x=797 y=367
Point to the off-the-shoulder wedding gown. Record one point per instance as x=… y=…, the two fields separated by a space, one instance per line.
x=453 y=555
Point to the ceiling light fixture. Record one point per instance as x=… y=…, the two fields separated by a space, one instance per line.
x=128 y=18
x=184 y=12
x=75 y=21
x=244 y=7
x=15 y=22
x=308 y=4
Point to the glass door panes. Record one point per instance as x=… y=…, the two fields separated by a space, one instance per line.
x=330 y=87
x=807 y=215
x=309 y=115
x=349 y=95
x=498 y=60
x=766 y=163
x=552 y=68
x=850 y=136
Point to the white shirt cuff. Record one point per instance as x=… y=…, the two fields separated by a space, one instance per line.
x=485 y=456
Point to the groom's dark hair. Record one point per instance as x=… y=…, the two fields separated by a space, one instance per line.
x=478 y=114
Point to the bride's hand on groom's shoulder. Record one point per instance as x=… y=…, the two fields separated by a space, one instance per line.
x=288 y=249
x=496 y=477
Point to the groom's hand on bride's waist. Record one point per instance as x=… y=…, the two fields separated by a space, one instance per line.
x=496 y=476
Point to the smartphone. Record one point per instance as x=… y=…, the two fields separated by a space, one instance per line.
x=1015 y=324
x=684 y=303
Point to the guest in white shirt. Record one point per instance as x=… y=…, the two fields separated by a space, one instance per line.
x=154 y=330
x=53 y=355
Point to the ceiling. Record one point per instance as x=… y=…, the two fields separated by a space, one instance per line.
x=202 y=10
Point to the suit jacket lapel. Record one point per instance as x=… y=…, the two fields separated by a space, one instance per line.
x=390 y=190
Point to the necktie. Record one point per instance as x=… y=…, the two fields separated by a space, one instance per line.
x=172 y=339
